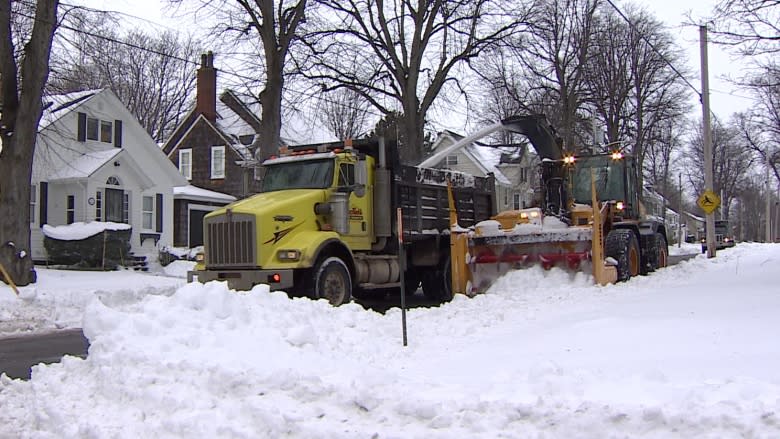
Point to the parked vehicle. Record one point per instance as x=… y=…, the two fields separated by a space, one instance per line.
x=724 y=238
x=326 y=224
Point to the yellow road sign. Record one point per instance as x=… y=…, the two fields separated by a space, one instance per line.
x=708 y=201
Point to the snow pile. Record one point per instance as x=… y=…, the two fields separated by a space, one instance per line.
x=59 y=297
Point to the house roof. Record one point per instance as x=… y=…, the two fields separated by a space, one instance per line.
x=56 y=106
x=234 y=124
x=191 y=192
x=485 y=158
x=85 y=165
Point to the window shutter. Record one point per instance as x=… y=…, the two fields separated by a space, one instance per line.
x=118 y=133
x=82 y=128
x=44 y=200
x=159 y=211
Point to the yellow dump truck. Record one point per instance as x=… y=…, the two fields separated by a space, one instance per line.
x=326 y=224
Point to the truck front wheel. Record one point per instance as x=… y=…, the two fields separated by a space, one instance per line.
x=332 y=281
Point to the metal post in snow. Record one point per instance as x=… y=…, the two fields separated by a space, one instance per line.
x=402 y=268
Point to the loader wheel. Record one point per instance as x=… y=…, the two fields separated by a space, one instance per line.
x=437 y=282
x=622 y=245
x=662 y=249
x=332 y=281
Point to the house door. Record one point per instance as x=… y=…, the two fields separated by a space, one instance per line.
x=115 y=205
x=196 y=227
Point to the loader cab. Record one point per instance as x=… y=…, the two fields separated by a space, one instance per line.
x=615 y=176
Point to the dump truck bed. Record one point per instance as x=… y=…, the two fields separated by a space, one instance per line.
x=422 y=195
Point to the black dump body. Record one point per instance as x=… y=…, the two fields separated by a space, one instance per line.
x=422 y=192
x=423 y=197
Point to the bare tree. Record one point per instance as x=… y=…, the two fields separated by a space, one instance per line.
x=750 y=26
x=261 y=33
x=553 y=57
x=344 y=112
x=731 y=162
x=400 y=55
x=633 y=85
x=22 y=80
x=149 y=74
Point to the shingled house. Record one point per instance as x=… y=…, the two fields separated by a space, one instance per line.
x=212 y=148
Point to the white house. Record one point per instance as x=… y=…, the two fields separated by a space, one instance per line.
x=95 y=162
x=515 y=174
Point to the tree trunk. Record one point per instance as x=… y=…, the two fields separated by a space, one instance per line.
x=18 y=131
x=271 y=101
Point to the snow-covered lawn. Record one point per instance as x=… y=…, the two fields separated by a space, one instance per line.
x=689 y=351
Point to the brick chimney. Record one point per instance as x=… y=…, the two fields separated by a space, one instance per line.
x=206 y=100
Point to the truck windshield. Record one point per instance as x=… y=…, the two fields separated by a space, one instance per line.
x=304 y=174
x=609 y=179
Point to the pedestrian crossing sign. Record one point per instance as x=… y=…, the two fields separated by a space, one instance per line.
x=708 y=201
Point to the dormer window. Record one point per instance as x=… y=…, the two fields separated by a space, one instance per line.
x=451 y=160
x=92 y=128
x=105 y=131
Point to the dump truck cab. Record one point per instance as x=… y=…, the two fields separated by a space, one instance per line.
x=309 y=200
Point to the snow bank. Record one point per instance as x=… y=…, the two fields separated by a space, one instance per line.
x=686 y=352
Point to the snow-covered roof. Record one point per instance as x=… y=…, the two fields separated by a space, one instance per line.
x=85 y=165
x=484 y=157
x=191 y=192
x=55 y=106
x=79 y=230
x=231 y=123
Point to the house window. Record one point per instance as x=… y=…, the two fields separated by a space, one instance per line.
x=517 y=201
x=92 y=128
x=71 y=210
x=523 y=175
x=98 y=206
x=126 y=209
x=106 y=131
x=185 y=163
x=33 y=198
x=451 y=160
x=147 y=212
x=217 y=162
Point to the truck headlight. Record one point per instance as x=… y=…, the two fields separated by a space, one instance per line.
x=288 y=255
x=200 y=257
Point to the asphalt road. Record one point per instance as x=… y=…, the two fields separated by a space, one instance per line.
x=19 y=353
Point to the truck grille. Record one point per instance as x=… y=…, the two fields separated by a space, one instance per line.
x=230 y=241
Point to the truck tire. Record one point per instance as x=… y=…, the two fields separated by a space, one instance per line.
x=437 y=282
x=332 y=281
x=662 y=251
x=411 y=281
x=622 y=245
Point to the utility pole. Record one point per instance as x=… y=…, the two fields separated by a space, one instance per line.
x=680 y=210
x=768 y=212
x=707 y=138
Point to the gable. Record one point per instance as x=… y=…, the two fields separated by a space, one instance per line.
x=478 y=160
x=83 y=126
